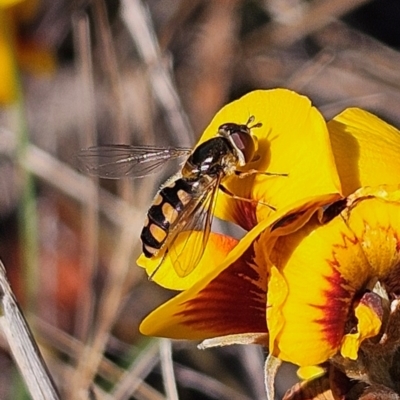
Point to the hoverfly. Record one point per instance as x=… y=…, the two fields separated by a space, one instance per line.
x=186 y=201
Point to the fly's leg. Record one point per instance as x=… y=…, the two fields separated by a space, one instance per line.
x=233 y=196
x=158 y=266
x=244 y=174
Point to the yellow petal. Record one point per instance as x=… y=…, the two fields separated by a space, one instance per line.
x=277 y=294
x=314 y=263
x=374 y=217
x=366 y=150
x=225 y=302
x=165 y=274
x=293 y=140
x=311 y=372
x=369 y=324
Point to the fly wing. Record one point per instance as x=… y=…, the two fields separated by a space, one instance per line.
x=119 y=161
x=192 y=230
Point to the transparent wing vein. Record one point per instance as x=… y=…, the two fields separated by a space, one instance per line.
x=118 y=161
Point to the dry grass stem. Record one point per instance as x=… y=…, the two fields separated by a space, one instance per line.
x=139 y=25
x=23 y=346
x=87 y=137
x=167 y=369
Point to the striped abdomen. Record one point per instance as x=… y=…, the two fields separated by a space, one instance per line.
x=164 y=212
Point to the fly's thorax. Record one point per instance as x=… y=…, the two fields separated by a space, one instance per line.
x=164 y=213
x=212 y=158
x=189 y=171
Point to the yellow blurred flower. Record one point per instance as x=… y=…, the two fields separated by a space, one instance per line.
x=17 y=52
x=8 y=86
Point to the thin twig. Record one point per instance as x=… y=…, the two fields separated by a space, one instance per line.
x=201 y=382
x=110 y=304
x=167 y=369
x=23 y=346
x=109 y=61
x=138 y=22
x=132 y=380
x=318 y=14
x=89 y=259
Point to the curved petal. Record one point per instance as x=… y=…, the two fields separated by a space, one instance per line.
x=218 y=247
x=324 y=267
x=313 y=315
x=293 y=140
x=311 y=372
x=223 y=303
x=369 y=324
x=366 y=150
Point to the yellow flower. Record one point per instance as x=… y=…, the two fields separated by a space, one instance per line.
x=8 y=87
x=329 y=269
x=293 y=140
x=17 y=52
x=307 y=288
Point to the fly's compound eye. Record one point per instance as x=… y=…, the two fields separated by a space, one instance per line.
x=245 y=143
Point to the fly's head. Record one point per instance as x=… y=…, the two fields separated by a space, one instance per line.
x=243 y=142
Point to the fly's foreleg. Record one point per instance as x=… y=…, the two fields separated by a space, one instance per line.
x=233 y=196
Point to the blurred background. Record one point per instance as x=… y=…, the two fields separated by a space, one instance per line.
x=79 y=73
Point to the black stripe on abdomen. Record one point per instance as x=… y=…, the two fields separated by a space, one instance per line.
x=165 y=210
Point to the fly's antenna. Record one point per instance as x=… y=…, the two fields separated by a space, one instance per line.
x=251 y=120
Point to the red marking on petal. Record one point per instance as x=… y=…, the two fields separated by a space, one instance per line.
x=245 y=214
x=337 y=306
x=234 y=302
x=338 y=298
x=353 y=240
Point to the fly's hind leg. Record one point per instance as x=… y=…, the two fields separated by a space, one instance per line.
x=158 y=266
x=233 y=196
